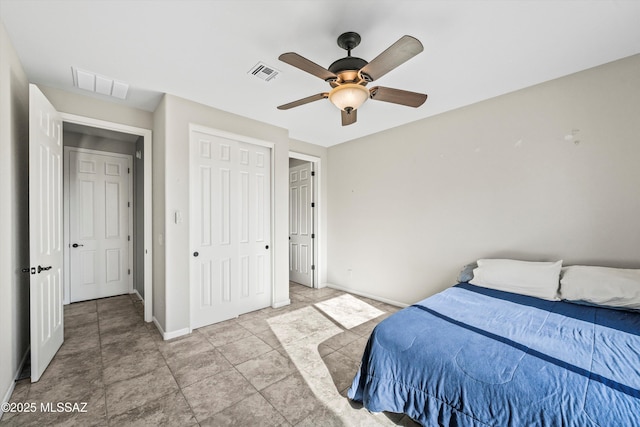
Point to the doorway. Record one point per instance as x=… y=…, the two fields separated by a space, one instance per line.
x=96 y=137
x=304 y=224
x=99 y=230
x=301 y=233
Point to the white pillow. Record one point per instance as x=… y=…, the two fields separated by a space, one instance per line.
x=613 y=287
x=536 y=279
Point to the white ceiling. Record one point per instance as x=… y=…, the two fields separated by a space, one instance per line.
x=202 y=50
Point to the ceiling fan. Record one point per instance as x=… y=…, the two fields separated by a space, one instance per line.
x=348 y=76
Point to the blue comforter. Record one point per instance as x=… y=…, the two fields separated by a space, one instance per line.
x=471 y=356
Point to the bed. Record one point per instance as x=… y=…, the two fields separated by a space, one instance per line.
x=474 y=356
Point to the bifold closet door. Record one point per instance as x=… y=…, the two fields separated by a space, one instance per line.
x=230 y=221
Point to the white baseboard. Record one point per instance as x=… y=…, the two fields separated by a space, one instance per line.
x=176 y=334
x=281 y=303
x=7 y=395
x=172 y=334
x=366 y=295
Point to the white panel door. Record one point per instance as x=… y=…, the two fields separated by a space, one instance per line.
x=230 y=224
x=99 y=225
x=301 y=225
x=45 y=231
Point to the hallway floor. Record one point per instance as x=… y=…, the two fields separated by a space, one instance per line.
x=273 y=367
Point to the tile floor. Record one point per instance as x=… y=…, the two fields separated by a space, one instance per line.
x=273 y=367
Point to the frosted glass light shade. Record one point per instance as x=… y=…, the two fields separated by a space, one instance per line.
x=348 y=96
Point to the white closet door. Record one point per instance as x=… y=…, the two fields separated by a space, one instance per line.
x=300 y=225
x=230 y=225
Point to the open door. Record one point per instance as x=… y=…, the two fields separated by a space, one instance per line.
x=301 y=224
x=45 y=231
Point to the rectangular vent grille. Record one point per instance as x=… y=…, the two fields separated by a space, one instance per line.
x=264 y=71
x=93 y=82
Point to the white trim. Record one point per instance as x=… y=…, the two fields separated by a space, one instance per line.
x=148 y=201
x=283 y=303
x=229 y=135
x=366 y=295
x=193 y=127
x=67 y=215
x=170 y=335
x=302 y=156
x=319 y=241
x=7 y=395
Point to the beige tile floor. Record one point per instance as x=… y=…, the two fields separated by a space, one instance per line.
x=273 y=367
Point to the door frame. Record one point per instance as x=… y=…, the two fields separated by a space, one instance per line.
x=193 y=127
x=67 y=215
x=318 y=242
x=146 y=134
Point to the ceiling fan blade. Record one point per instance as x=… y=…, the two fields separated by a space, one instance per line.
x=349 y=118
x=396 y=54
x=303 y=101
x=397 y=96
x=310 y=67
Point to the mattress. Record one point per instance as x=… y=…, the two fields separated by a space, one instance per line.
x=471 y=356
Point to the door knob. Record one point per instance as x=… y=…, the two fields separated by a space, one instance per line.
x=75 y=245
x=196 y=254
x=266 y=247
x=41 y=268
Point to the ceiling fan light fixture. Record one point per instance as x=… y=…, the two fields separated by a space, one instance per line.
x=348 y=96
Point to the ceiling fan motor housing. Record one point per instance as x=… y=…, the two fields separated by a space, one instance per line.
x=347 y=69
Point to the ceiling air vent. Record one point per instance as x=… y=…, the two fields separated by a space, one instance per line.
x=93 y=82
x=263 y=71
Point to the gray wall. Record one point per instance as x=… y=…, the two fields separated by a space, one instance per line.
x=296 y=162
x=410 y=206
x=72 y=103
x=92 y=142
x=171 y=193
x=14 y=226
